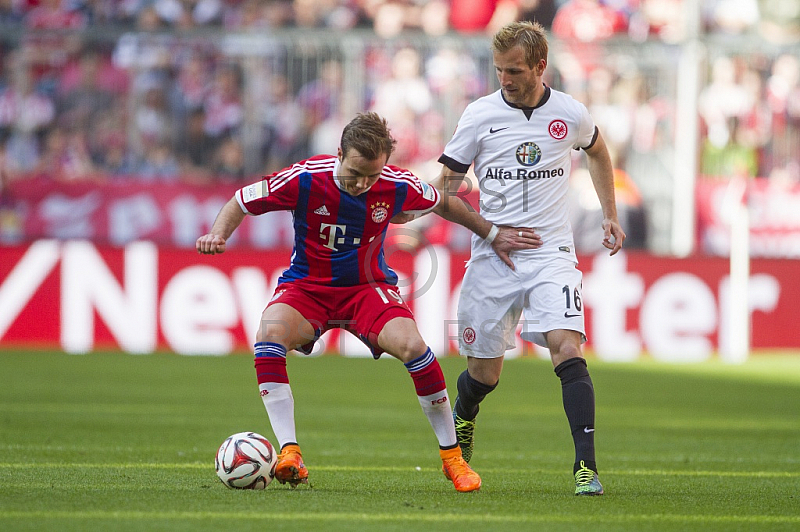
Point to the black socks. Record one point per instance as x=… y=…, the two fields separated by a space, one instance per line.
x=470 y=394
x=578 y=395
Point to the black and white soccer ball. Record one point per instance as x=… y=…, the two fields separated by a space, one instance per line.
x=246 y=460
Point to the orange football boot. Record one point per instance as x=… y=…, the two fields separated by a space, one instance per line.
x=455 y=468
x=290 y=467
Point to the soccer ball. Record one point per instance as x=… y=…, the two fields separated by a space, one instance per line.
x=246 y=461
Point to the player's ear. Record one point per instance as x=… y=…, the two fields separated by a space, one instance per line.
x=339 y=153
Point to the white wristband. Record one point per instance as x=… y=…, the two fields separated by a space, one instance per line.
x=492 y=234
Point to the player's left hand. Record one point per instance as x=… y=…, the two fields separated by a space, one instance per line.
x=613 y=235
x=512 y=239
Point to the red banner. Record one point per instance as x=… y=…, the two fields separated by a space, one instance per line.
x=773 y=211
x=119 y=212
x=79 y=297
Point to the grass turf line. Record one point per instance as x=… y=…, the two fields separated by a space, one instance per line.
x=122 y=441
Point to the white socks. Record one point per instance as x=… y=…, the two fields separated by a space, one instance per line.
x=279 y=403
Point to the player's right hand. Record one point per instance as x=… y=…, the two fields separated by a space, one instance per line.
x=403 y=217
x=514 y=238
x=210 y=244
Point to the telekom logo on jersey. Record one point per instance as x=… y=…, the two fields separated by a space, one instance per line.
x=329 y=234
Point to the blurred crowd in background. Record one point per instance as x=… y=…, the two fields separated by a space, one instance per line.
x=582 y=19
x=206 y=91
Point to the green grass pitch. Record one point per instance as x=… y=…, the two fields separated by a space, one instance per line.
x=122 y=442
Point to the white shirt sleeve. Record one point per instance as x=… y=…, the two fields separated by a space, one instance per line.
x=586 y=129
x=463 y=147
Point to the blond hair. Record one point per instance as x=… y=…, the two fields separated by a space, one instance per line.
x=529 y=35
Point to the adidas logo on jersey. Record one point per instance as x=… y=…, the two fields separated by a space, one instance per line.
x=322 y=211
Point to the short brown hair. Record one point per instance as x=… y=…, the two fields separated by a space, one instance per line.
x=369 y=135
x=529 y=35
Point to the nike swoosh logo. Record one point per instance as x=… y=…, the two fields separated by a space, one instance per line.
x=568 y=315
x=587 y=430
x=493 y=130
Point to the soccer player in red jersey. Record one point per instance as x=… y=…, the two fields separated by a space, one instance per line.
x=338 y=276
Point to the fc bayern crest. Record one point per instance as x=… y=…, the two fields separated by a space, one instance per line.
x=469 y=335
x=558 y=129
x=380 y=211
x=528 y=154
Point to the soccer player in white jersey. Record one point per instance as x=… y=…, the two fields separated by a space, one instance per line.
x=520 y=140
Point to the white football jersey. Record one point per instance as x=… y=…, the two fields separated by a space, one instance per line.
x=522 y=158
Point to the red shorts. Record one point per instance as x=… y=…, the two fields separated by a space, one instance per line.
x=362 y=310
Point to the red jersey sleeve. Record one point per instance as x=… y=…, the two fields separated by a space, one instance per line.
x=421 y=197
x=276 y=192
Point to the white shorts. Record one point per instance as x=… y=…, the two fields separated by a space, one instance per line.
x=493 y=297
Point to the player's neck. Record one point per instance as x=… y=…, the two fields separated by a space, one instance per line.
x=536 y=97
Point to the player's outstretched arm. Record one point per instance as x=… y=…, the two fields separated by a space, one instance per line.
x=602 y=172
x=228 y=219
x=503 y=239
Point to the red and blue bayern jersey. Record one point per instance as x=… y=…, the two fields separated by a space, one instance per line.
x=338 y=238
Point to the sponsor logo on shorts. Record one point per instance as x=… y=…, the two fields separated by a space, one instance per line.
x=469 y=335
x=558 y=129
x=380 y=211
x=565 y=249
x=264 y=392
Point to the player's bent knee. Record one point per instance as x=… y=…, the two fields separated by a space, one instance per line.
x=566 y=352
x=485 y=370
x=273 y=331
x=285 y=333
x=280 y=336
x=401 y=339
x=409 y=349
x=411 y=352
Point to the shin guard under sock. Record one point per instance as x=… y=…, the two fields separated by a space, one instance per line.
x=578 y=395
x=432 y=395
x=273 y=385
x=470 y=393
